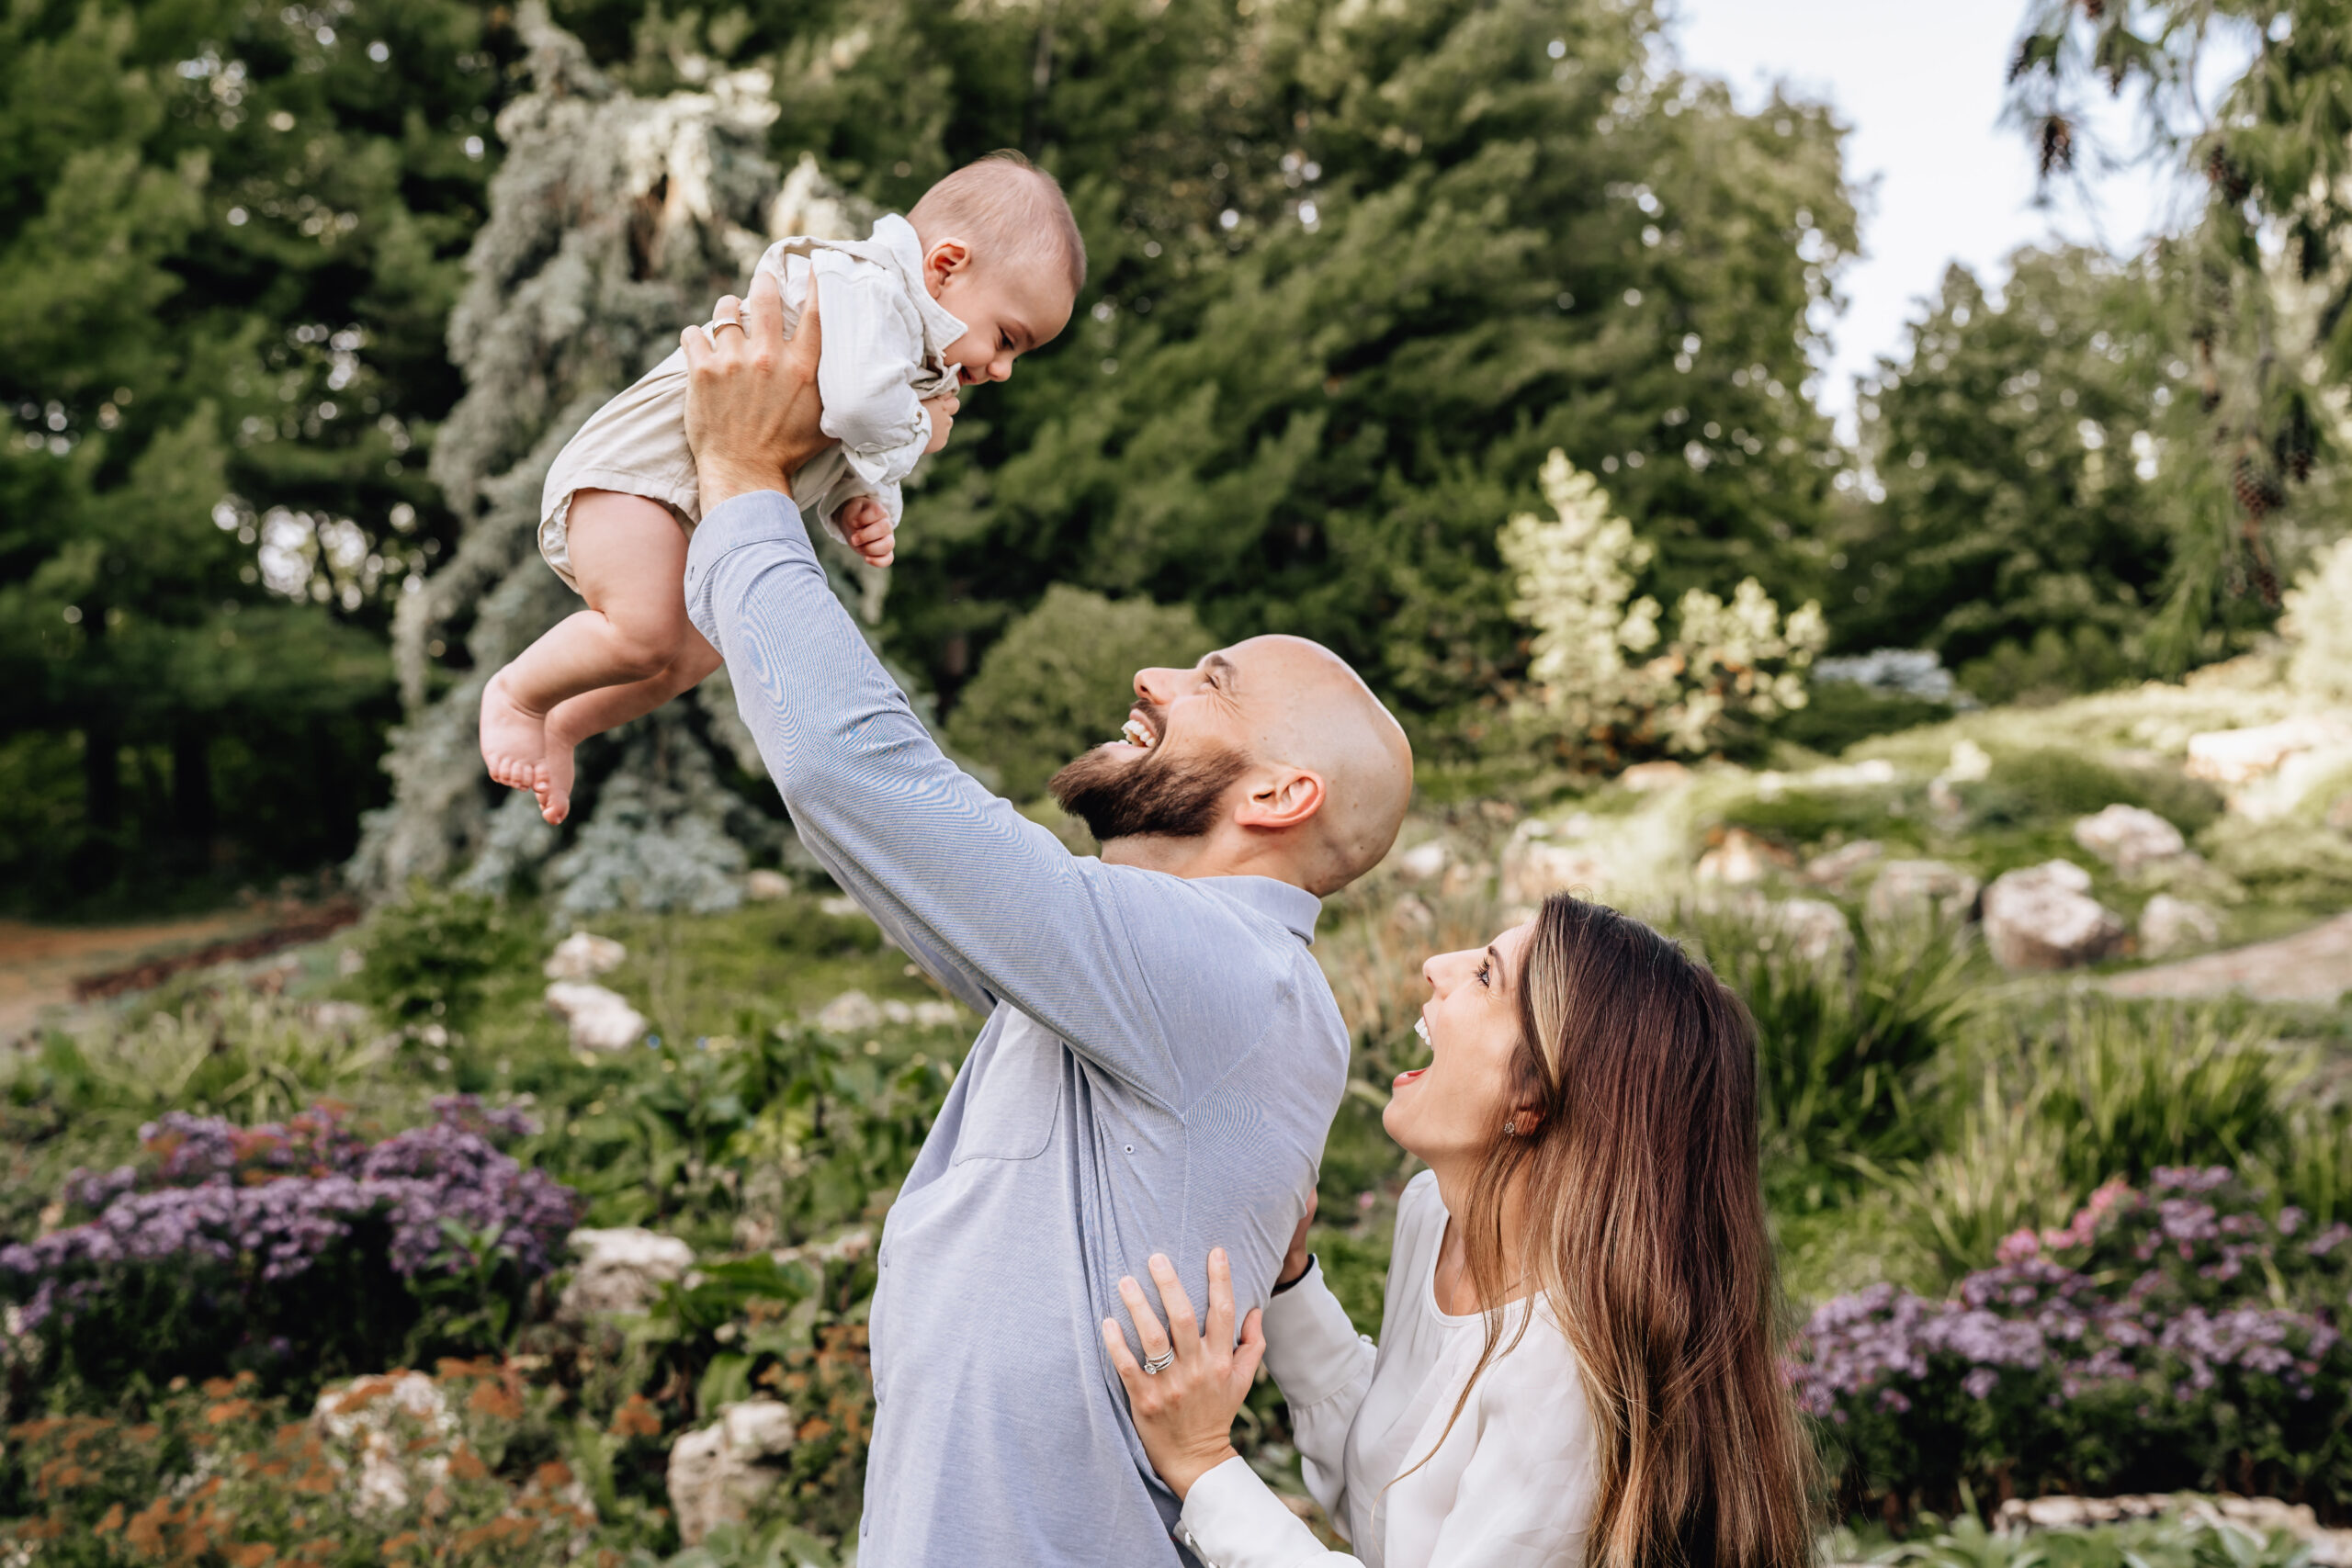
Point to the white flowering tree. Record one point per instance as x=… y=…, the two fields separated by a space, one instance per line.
x=1588 y=681
x=2318 y=624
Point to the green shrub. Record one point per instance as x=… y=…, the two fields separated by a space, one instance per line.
x=430 y=958
x=2052 y=670
x=1843 y=712
x=1061 y=678
x=2048 y=785
x=1800 y=817
x=1997 y=1170
x=234 y=1052
x=2285 y=861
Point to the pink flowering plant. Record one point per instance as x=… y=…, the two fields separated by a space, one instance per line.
x=2175 y=1336
x=299 y=1250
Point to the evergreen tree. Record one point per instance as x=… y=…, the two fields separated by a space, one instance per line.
x=2019 y=445
x=1342 y=312
x=228 y=238
x=2258 y=287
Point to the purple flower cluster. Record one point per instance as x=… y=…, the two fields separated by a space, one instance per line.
x=2166 y=1291
x=277 y=1197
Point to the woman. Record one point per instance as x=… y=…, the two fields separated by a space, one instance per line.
x=1576 y=1362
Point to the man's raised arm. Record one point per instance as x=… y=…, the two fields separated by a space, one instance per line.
x=990 y=902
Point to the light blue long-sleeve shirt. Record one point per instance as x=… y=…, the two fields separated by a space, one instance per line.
x=1161 y=1062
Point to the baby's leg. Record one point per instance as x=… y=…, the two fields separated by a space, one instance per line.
x=630 y=556
x=574 y=720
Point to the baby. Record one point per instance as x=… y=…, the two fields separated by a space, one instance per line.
x=986 y=267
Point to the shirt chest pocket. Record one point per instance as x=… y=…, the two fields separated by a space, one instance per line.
x=1017 y=1096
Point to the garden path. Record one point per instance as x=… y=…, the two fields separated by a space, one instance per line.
x=2313 y=966
x=40 y=964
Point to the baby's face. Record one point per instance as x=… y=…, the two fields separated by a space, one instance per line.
x=1008 y=309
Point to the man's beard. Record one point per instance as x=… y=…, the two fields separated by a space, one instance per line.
x=1155 y=794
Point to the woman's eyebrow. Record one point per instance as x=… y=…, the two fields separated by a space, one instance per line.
x=1501 y=974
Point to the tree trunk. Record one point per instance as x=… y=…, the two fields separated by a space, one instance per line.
x=192 y=812
x=101 y=742
x=101 y=776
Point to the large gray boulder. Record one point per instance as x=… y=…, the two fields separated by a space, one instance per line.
x=2169 y=926
x=599 y=1019
x=2044 y=918
x=1815 y=930
x=583 y=955
x=718 y=1473
x=2130 y=837
x=1910 y=888
x=622 y=1270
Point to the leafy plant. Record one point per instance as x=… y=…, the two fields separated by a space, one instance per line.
x=2127 y=1088
x=236 y=1052
x=761 y=1137
x=1840 y=1051
x=2184 y=1539
x=1999 y=1169
x=2107 y=1089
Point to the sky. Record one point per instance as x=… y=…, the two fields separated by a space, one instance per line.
x=1942 y=178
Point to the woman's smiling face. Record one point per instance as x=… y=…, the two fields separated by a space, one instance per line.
x=1452 y=1110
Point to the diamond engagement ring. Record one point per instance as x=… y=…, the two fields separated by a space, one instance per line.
x=1162 y=1362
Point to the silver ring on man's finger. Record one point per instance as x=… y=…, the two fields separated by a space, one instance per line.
x=1162 y=1362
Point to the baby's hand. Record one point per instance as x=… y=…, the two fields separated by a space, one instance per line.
x=944 y=410
x=865 y=524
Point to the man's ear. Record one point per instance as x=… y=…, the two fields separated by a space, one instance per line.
x=1283 y=797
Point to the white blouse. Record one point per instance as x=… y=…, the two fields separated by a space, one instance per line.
x=1513 y=1484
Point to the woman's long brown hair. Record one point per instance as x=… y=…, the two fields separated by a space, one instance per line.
x=1643 y=1216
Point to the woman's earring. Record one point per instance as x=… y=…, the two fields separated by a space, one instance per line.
x=1511 y=1127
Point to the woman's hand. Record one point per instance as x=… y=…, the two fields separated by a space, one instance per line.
x=1184 y=1412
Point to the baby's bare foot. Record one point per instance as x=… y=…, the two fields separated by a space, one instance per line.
x=514 y=738
x=551 y=781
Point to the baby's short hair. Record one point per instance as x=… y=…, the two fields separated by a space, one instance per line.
x=1012 y=205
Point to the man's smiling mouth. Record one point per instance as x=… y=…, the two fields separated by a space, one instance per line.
x=1138 y=731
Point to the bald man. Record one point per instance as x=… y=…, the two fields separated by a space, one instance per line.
x=1162 y=1056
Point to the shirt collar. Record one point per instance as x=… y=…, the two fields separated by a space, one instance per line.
x=940 y=330
x=1296 y=908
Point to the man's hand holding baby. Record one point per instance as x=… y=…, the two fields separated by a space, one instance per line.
x=752 y=403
